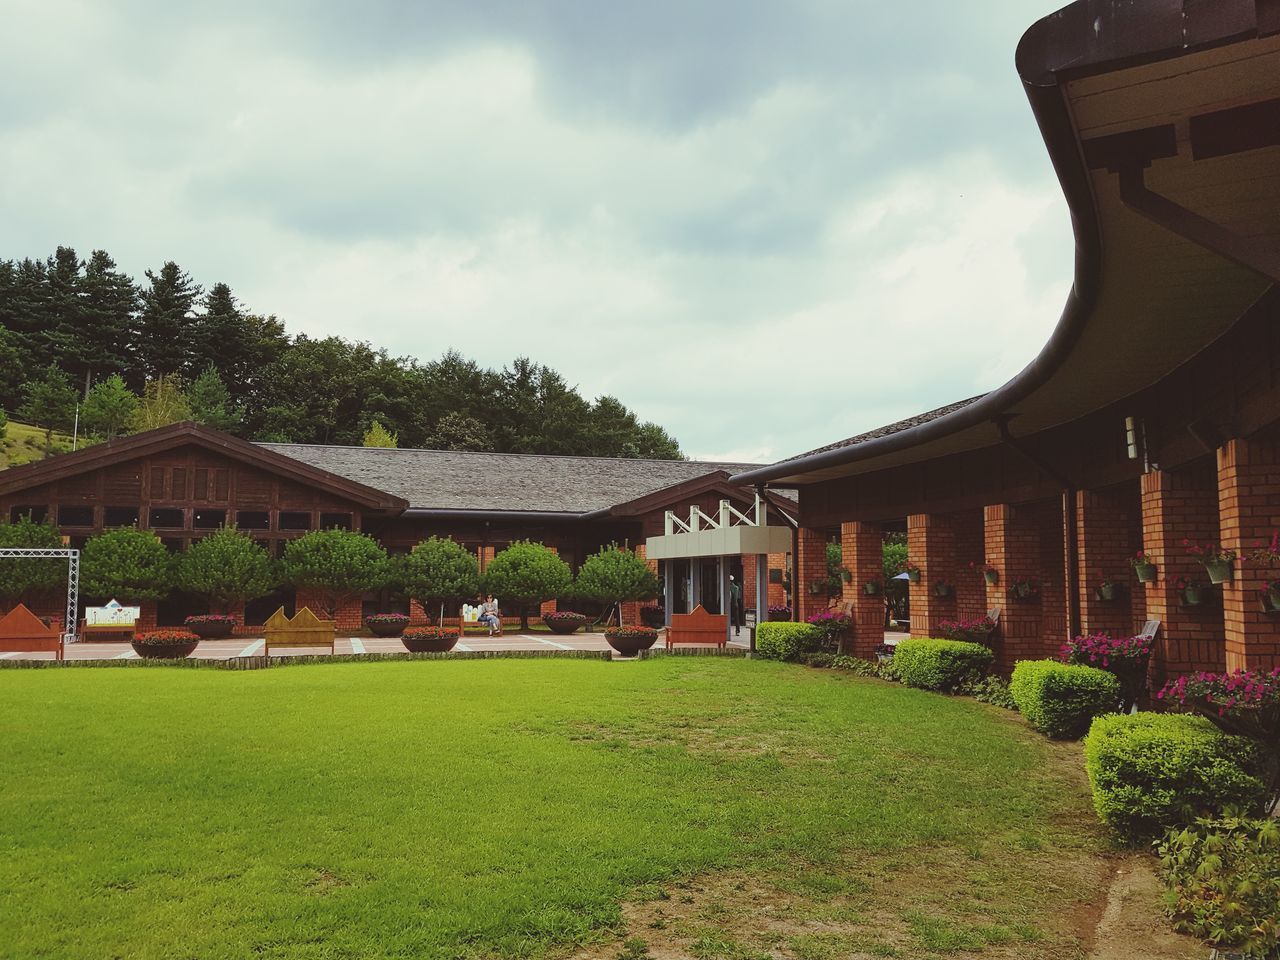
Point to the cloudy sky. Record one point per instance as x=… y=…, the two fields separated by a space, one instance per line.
x=764 y=225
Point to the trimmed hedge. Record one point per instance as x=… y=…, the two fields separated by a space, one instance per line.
x=1061 y=699
x=1153 y=771
x=783 y=640
x=944 y=665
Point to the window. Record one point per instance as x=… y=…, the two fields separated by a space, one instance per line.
x=119 y=516
x=174 y=544
x=329 y=521
x=253 y=520
x=75 y=516
x=167 y=518
x=208 y=519
x=37 y=514
x=294 y=520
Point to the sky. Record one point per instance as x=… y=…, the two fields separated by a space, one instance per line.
x=764 y=225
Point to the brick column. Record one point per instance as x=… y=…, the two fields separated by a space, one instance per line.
x=971 y=591
x=1105 y=530
x=931 y=545
x=1248 y=514
x=863 y=557
x=810 y=565
x=1012 y=541
x=1176 y=506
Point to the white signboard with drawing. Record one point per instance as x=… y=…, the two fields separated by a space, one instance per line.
x=112 y=615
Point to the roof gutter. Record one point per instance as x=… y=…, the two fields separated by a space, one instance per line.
x=1054 y=120
x=429 y=513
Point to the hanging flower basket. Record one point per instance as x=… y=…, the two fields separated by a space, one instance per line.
x=1027 y=588
x=1217 y=561
x=913 y=573
x=871 y=588
x=1193 y=596
x=991 y=575
x=1108 y=590
x=943 y=589
x=846 y=575
x=816 y=587
x=1143 y=568
x=1219 y=571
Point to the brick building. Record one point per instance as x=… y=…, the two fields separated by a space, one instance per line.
x=185 y=481
x=1152 y=415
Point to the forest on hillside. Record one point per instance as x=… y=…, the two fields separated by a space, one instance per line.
x=81 y=331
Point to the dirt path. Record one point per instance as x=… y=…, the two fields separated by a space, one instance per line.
x=1132 y=925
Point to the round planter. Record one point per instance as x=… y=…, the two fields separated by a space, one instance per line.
x=164 y=651
x=429 y=644
x=1219 y=571
x=383 y=629
x=562 y=629
x=630 y=646
x=1146 y=572
x=991 y=576
x=212 y=631
x=1193 y=596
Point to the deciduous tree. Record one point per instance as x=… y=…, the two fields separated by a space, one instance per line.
x=525 y=574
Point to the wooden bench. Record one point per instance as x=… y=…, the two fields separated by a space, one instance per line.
x=106 y=631
x=21 y=631
x=305 y=629
x=698 y=627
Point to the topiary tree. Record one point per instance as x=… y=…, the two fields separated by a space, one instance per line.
x=30 y=580
x=615 y=576
x=129 y=565
x=339 y=565
x=527 y=573
x=227 y=568
x=438 y=572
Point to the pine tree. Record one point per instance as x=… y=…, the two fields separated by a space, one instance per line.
x=63 y=335
x=379 y=436
x=210 y=403
x=166 y=321
x=49 y=402
x=109 y=408
x=109 y=304
x=12 y=366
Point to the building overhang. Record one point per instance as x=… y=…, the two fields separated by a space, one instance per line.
x=728 y=542
x=1150 y=291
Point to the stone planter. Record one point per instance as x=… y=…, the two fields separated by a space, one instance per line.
x=429 y=644
x=631 y=646
x=165 y=651
x=562 y=628
x=1219 y=571
x=217 y=630
x=1146 y=572
x=386 y=628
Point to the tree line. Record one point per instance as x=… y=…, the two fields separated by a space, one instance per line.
x=68 y=326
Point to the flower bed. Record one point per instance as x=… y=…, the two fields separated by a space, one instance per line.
x=968 y=629
x=429 y=639
x=833 y=625
x=165 y=644
x=1126 y=657
x=211 y=626
x=565 y=622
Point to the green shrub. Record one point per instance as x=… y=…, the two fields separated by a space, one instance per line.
x=1224 y=883
x=992 y=690
x=1153 y=771
x=1060 y=699
x=780 y=640
x=855 y=665
x=944 y=665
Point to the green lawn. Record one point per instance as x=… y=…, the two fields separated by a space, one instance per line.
x=23 y=443
x=512 y=807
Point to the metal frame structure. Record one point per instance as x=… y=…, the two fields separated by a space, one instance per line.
x=73 y=578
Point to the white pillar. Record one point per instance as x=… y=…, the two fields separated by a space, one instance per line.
x=762 y=593
x=669 y=589
x=726 y=595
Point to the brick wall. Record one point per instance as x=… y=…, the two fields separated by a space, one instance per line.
x=1109 y=533
x=1178 y=505
x=1248 y=513
x=1012 y=538
x=931 y=545
x=971 y=591
x=810 y=565
x=863 y=557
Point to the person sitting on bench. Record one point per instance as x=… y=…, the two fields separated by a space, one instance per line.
x=491 y=616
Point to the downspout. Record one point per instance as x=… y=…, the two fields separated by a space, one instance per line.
x=1070 y=515
x=795 y=553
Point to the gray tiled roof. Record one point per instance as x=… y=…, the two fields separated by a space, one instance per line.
x=892 y=428
x=454 y=480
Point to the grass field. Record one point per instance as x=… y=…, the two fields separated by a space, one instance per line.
x=23 y=443
x=727 y=809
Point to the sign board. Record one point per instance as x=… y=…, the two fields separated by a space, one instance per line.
x=749 y=618
x=112 y=615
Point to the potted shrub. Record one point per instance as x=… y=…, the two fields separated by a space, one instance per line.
x=1191 y=591
x=387 y=624
x=1217 y=561
x=871 y=588
x=943 y=589
x=912 y=571
x=429 y=639
x=564 y=622
x=1126 y=657
x=1143 y=568
x=629 y=641
x=213 y=626
x=165 y=644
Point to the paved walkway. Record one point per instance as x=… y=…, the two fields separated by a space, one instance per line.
x=246 y=647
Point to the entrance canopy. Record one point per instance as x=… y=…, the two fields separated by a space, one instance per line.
x=729 y=533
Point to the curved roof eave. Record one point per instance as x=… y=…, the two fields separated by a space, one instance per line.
x=1086 y=36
